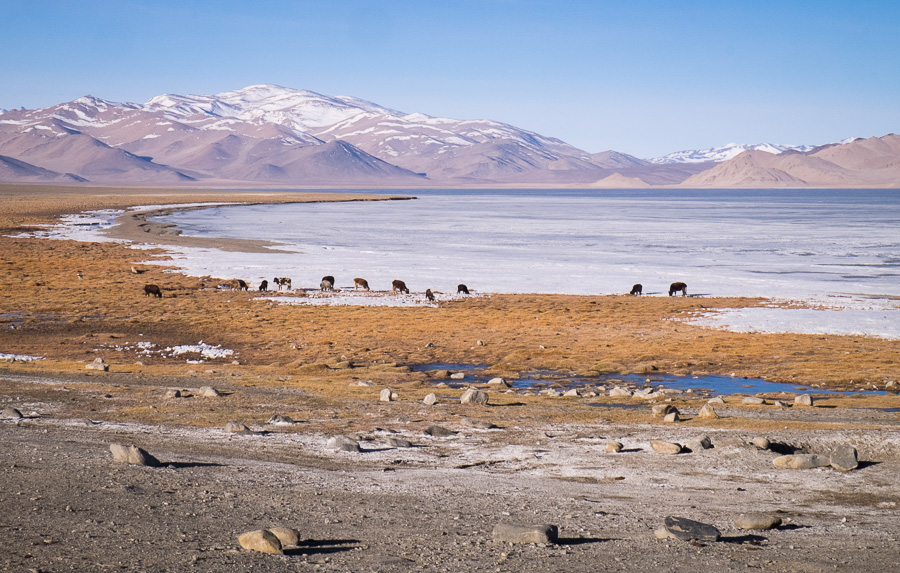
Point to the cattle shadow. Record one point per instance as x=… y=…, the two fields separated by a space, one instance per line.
x=323 y=546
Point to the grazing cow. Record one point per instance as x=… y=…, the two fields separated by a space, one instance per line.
x=462 y=289
x=679 y=286
x=359 y=283
x=400 y=286
x=240 y=284
x=327 y=283
x=152 y=290
x=264 y=286
x=637 y=289
x=429 y=295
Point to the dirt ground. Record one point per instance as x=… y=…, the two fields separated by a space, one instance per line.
x=66 y=506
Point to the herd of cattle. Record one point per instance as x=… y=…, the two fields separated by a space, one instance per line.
x=397 y=286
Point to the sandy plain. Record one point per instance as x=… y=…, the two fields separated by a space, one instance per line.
x=64 y=505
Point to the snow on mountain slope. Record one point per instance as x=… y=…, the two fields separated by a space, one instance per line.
x=725 y=152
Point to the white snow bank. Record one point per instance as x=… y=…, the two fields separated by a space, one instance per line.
x=204 y=350
x=883 y=323
x=19 y=357
x=361 y=299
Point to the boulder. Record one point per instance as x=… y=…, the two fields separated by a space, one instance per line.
x=707 y=411
x=690 y=530
x=132 y=455
x=430 y=399
x=761 y=443
x=280 y=420
x=439 y=432
x=844 y=458
x=236 y=427
x=399 y=443
x=699 y=444
x=97 y=364
x=458 y=376
x=662 y=410
x=507 y=533
x=802 y=461
x=170 y=394
x=474 y=396
x=716 y=400
x=620 y=392
x=753 y=400
x=261 y=540
x=672 y=417
x=613 y=447
x=209 y=392
x=342 y=444
x=12 y=413
x=386 y=395
x=286 y=535
x=803 y=400
x=572 y=393
x=668 y=448
x=498 y=382
x=762 y=521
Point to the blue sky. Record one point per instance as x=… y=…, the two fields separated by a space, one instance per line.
x=641 y=77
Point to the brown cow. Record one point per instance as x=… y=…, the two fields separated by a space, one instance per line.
x=359 y=283
x=152 y=290
x=399 y=285
x=240 y=284
x=429 y=295
x=637 y=289
x=679 y=286
x=462 y=289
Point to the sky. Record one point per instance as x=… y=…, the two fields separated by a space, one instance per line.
x=640 y=77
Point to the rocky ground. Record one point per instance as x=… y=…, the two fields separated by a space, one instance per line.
x=432 y=504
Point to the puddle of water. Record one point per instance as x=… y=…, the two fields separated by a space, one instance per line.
x=709 y=384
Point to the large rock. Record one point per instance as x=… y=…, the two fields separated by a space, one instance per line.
x=507 y=533
x=761 y=443
x=662 y=410
x=753 y=400
x=170 y=394
x=844 y=458
x=802 y=461
x=761 y=521
x=716 y=400
x=342 y=444
x=613 y=447
x=668 y=448
x=132 y=455
x=13 y=413
x=280 y=420
x=707 y=411
x=474 y=396
x=430 y=399
x=386 y=395
x=699 y=444
x=209 y=392
x=803 y=400
x=620 y=392
x=672 y=417
x=287 y=536
x=439 y=432
x=236 y=427
x=498 y=382
x=458 y=376
x=399 y=443
x=97 y=364
x=690 y=530
x=261 y=540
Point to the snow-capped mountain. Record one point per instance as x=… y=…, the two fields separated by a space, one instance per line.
x=725 y=152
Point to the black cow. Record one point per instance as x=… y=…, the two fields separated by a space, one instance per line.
x=429 y=295
x=264 y=286
x=152 y=290
x=637 y=289
x=462 y=289
x=679 y=286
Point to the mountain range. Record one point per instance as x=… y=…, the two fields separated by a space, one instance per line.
x=269 y=135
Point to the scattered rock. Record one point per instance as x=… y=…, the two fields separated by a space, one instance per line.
x=458 y=375
x=280 y=420
x=620 y=392
x=361 y=383
x=132 y=455
x=479 y=343
x=803 y=400
x=209 y=392
x=690 y=530
x=474 y=396
x=97 y=364
x=430 y=399
x=172 y=394
x=663 y=410
x=498 y=382
x=439 y=432
x=544 y=534
x=707 y=411
x=236 y=427
x=672 y=417
x=716 y=400
x=761 y=443
x=761 y=521
x=573 y=392
x=13 y=413
x=613 y=447
x=343 y=444
x=753 y=400
x=287 y=536
x=699 y=444
x=438 y=373
x=399 y=443
x=732 y=442
x=261 y=540
x=386 y=395
x=802 y=461
x=668 y=448
x=844 y=458
x=478 y=424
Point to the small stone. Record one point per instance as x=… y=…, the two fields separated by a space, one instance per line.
x=170 y=394
x=544 y=534
x=438 y=373
x=132 y=455
x=716 y=400
x=235 y=362
x=286 y=535
x=209 y=392
x=386 y=395
x=478 y=424
x=280 y=420
x=458 y=375
x=342 y=444
x=474 y=396
x=13 y=413
x=613 y=447
x=439 y=432
x=803 y=400
x=761 y=521
x=844 y=458
x=668 y=448
x=572 y=393
x=802 y=461
x=753 y=400
x=662 y=410
x=671 y=417
x=101 y=366
x=399 y=443
x=479 y=343
x=430 y=399
x=261 y=540
x=761 y=443
x=690 y=530
x=361 y=383
x=699 y=444
x=707 y=411
x=236 y=427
